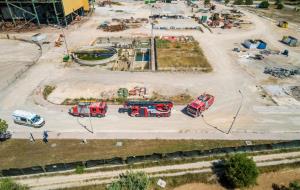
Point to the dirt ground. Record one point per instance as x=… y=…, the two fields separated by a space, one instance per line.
x=264 y=181
x=181 y=56
x=233 y=85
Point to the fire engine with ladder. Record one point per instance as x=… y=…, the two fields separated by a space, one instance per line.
x=148 y=108
x=89 y=109
x=202 y=103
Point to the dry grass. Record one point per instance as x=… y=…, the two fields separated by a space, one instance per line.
x=181 y=56
x=179 y=99
x=279 y=14
x=22 y=153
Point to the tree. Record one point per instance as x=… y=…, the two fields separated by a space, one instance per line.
x=264 y=4
x=277 y=2
x=280 y=6
x=131 y=181
x=9 y=184
x=3 y=126
x=226 y=2
x=249 y=2
x=239 y=2
x=240 y=171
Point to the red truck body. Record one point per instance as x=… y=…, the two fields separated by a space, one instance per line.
x=148 y=108
x=94 y=109
x=202 y=103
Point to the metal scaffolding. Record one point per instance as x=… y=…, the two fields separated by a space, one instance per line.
x=37 y=11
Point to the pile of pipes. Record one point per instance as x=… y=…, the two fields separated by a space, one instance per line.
x=281 y=72
x=20 y=26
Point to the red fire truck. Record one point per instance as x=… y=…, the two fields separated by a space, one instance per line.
x=88 y=109
x=148 y=108
x=202 y=103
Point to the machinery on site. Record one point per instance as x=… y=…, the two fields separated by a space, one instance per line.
x=202 y=103
x=147 y=108
x=89 y=109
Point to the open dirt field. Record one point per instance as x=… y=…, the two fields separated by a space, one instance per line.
x=242 y=108
x=181 y=56
x=16 y=58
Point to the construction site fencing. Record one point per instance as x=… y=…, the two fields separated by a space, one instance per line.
x=156 y=157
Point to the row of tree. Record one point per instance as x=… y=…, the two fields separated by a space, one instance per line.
x=263 y=4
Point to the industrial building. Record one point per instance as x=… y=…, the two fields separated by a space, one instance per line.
x=60 y=12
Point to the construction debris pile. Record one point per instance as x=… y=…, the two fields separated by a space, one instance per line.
x=229 y=19
x=122 y=24
x=281 y=72
x=20 y=26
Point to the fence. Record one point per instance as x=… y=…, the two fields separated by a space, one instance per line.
x=152 y=157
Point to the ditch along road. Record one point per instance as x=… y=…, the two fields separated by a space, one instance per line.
x=254 y=120
x=61 y=180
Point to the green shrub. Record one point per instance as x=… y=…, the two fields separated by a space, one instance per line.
x=239 y=2
x=79 y=170
x=240 y=171
x=264 y=4
x=47 y=91
x=206 y=2
x=131 y=181
x=3 y=126
x=249 y=2
x=226 y=2
x=280 y=6
x=9 y=184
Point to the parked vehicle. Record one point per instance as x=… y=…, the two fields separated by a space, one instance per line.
x=27 y=118
x=202 y=103
x=4 y=136
x=148 y=108
x=88 y=109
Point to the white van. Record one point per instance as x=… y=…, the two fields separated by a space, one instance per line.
x=27 y=118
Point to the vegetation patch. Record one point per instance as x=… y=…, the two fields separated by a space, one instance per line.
x=181 y=56
x=19 y=153
x=47 y=91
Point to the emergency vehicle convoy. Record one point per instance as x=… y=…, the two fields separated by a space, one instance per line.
x=202 y=103
x=148 y=108
x=89 y=109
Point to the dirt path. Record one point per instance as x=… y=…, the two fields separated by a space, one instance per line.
x=63 y=181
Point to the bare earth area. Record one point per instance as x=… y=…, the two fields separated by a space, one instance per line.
x=242 y=108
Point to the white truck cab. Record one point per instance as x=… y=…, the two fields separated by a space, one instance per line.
x=27 y=118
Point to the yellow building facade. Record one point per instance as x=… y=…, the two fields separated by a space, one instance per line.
x=73 y=5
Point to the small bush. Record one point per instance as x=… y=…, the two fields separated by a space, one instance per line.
x=47 y=91
x=264 y=5
x=131 y=181
x=79 y=170
x=280 y=6
x=249 y=2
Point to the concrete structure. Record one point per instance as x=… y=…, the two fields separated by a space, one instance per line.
x=60 y=12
